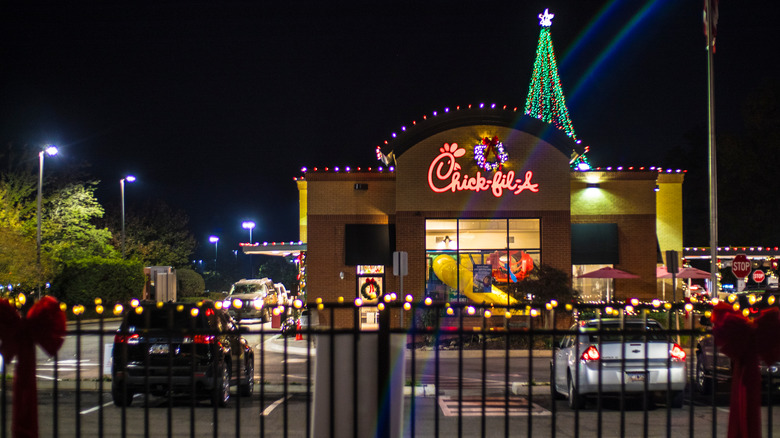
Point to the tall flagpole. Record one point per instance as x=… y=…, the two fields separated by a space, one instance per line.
x=713 y=168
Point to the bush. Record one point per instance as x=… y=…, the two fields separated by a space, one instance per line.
x=191 y=284
x=112 y=280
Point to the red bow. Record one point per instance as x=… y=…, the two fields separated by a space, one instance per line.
x=45 y=326
x=746 y=341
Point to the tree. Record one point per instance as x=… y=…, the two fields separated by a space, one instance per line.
x=543 y=284
x=18 y=247
x=545 y=99
x=191 y=284
x=69 y=232
x=280 y=270
x=18 y=264
x=157 y=235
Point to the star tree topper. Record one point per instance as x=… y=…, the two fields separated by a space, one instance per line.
x=545 y=19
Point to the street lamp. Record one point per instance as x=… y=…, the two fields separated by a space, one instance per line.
x=51 y=151
x=128 y=178
x=215 y=241
x=248 y=225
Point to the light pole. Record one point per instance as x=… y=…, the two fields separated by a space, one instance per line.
x=128 y=178
x=215 y=241
x=51 y=151
x=249 y=225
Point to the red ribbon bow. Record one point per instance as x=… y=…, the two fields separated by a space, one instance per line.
x=44 y=326
x=746 y=341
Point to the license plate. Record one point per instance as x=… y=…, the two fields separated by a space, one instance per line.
x=636 y=377
x=158 y=349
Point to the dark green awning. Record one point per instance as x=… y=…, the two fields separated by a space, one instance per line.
x=594 y=244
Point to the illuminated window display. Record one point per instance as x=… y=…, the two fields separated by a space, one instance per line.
x=479 y=259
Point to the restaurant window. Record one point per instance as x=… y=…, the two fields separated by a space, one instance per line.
x=470 y=258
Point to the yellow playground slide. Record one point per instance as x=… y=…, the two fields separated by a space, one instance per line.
x=445 y=267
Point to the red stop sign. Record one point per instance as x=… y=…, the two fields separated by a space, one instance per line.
x=758 y=276
x=740 y=266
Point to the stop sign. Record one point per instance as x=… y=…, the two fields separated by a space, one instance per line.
x=758 y=276
x=740 y=266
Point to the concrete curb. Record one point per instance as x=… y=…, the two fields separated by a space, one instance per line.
x=276 y=345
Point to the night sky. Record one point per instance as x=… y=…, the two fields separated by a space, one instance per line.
x=216 y=106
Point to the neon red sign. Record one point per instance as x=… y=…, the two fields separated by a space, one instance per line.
x=444 y=176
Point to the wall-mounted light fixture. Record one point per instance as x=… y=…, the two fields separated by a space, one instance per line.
x=593 y=185
x=656 y=188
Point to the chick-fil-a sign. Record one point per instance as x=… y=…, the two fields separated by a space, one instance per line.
x=444 y=176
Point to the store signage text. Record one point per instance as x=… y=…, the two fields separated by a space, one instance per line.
x=444 y=176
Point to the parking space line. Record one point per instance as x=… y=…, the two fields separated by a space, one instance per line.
x=273 y=406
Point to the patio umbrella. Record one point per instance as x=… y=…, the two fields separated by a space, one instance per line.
x=608 y=272
x=689 y=273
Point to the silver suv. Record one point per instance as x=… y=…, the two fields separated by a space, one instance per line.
x=611 y=357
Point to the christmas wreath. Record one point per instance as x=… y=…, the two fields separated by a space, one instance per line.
x=370 y=289
x=484 y=150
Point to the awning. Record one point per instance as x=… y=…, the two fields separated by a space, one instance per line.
x=369 y=244
x=594 y=244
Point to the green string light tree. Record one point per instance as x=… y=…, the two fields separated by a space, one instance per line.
x=545 y=95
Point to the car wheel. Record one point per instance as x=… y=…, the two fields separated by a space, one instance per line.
x=576 y=401
x=221 y=393
x=247 y=386
x=554 y=392
x=121 y=397
x=703 y=382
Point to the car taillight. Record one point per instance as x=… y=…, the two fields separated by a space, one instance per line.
x=204 y=339
x=121 y=338
x=677 y=353
x=592 y=353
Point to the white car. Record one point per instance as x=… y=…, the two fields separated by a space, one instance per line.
x=605 y=357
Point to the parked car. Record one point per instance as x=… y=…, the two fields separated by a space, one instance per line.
x=180 y=348
x=613 y=359
x=714 y=370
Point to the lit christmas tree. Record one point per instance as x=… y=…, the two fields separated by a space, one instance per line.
x=545 y=95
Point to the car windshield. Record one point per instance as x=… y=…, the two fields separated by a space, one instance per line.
x=634 y=332
x=245 y=289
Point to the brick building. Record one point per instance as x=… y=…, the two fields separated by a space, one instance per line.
x=471 y=230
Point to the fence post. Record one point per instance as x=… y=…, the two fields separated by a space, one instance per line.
x=383 y=375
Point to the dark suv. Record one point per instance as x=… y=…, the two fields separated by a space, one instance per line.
x=713 y=370
x=169 y=348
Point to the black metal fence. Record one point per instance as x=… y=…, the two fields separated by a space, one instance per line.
x=449 y=370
